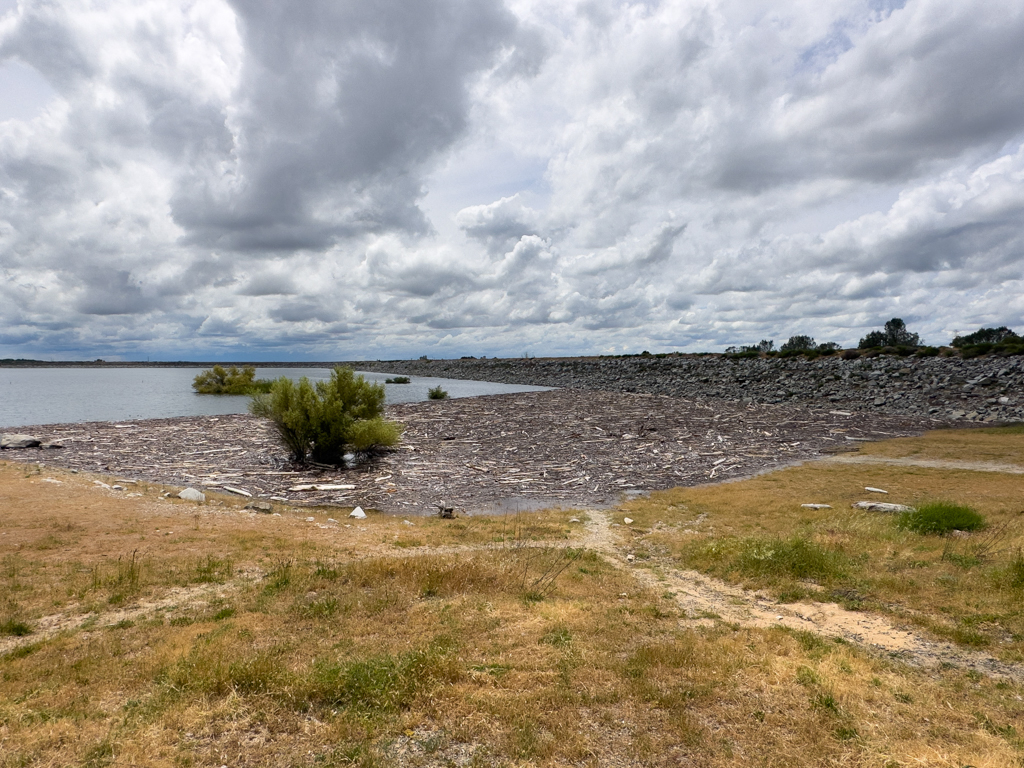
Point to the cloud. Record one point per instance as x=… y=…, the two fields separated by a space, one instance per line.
x=689 y=174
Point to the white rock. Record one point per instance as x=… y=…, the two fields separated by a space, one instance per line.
x=357 y=513
x=310 y=519
x=816 y=506
x=19 y=441
x=869 y=489
x=627 y=520
x=574 y=519
x=331 y=520
x=406 y=522
x=117 y=487
x=191 y=494
x=630 y=558
x=878 y=506
x=237 y=491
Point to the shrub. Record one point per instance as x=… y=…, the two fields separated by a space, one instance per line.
x=437 y=393
x=940 y=517
x=326 y=420
x=230 y=381
x=397 y=380
x=894 y=335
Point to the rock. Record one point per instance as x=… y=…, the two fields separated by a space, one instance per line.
x=310 y=519
x=264 y=507
x=51 y=444
x=817 y=506
x=878 y=506
x=630 y=558
x=332 y=520
x=406 y=522
x=875 y=490
x=627 y=520
x=191 y=494
x=357 y=513
x=574 y=519
x=236 y=491
x=117 y=487
x=14 y=440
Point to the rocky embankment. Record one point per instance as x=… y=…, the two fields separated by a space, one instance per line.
x=980 y=389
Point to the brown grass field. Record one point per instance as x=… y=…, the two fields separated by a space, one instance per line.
x=137 y=630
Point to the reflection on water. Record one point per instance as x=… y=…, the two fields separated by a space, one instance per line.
x=56 y=395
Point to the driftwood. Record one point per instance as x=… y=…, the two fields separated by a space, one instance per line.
x=482 y=454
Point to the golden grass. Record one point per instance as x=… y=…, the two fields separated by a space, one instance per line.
x=998 y=444
x=257 y=640
x=969 y=590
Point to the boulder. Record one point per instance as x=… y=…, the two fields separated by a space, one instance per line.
x=357 y=513
x=19 y=441
x=191 y=494
x=879 y=506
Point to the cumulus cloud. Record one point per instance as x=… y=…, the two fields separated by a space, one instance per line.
x=239 y=177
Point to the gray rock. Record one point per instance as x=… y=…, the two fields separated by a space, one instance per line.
x=191 y=494
x=19 y=441
x=264 y=507
x=51 y=444
x=357 y=513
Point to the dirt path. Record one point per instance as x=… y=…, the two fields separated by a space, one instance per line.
x=909 y=461
x=706 y=600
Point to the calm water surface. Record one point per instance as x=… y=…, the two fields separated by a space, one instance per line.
x=58 y=395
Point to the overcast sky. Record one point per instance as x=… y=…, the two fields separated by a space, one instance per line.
x=332 y=179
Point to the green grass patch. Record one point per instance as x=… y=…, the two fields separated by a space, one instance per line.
x=939 y=518
x=15 y=628
x=772 y=558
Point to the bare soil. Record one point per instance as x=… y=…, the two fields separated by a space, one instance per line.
x=570 y=448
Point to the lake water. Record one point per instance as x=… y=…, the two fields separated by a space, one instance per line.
x=58 y=395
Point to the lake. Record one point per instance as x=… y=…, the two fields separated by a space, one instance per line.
x=58 y=395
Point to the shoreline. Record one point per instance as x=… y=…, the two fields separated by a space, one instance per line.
x=515 y=452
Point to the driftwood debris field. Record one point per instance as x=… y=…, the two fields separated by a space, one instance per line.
x=569 y=448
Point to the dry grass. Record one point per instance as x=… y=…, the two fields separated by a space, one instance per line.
x=966 y=589
x=258 y=640
x=998 y=444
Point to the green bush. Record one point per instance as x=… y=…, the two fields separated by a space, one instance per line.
x=940 y=517
x=397 y=380
x=326 y=420
x=437 y=393
x=990 y=336
x=230 y=381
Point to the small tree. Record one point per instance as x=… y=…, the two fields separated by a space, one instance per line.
x=986 y=336
x=798 y=344
x=894 y=335
x=324 y=421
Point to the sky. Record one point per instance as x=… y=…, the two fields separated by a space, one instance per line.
x=332 y=179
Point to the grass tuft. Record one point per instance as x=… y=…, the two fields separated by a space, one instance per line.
x=939 y=518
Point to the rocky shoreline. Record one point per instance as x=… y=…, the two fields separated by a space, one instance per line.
x=983 y=389
x=495 y=453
